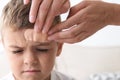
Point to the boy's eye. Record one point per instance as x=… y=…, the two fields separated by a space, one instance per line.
x=42 y=50
x=17 y=51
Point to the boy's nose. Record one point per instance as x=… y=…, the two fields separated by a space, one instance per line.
x=30 y=59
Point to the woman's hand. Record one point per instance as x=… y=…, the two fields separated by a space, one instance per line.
x=43 y=12
x=84 y=19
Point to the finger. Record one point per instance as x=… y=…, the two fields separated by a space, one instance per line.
x=34 y=10
x=43 y=11
x=76 y=39
x=49 y=20
x=65 y=7
x=70 y=33
x=76 y=19
x=77 y=8
x=54 y=10
x=48 y=23
x=26 y=1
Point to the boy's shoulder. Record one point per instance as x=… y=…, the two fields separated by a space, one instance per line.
x=59 y=76
x=105 y=76
x=8 y=77
x=55 y=75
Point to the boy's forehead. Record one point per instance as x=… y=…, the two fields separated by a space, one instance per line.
x=13 y=37
x=21 y=37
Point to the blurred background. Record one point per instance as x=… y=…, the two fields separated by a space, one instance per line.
x=96 y=54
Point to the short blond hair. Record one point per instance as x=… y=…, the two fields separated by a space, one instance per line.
x=16 y=15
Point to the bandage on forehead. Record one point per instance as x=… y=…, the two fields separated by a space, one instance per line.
x=31 y=35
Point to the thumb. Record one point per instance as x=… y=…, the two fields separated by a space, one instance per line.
x=75 y=19
x=78 y=7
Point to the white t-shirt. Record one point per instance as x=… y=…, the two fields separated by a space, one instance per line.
x=105 y=76
x=54 y=76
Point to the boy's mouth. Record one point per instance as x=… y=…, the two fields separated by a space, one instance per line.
x=32 y=71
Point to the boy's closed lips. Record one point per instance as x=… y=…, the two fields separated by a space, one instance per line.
x=32 y=71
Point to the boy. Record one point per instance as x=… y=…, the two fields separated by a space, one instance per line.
x=29 y=59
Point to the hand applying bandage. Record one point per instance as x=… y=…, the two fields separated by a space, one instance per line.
x=85 y=19
x=43 y=12
x=32 y=35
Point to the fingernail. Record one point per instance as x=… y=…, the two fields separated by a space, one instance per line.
x=25 y=1
x=50 y=38
x=44 y=31
x=36 y=28
x=30 y=39
x=32 y=19
x=50 y=32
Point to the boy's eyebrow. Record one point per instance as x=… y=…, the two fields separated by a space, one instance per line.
x=36 y=44
x=42 y=43
x=15 y=46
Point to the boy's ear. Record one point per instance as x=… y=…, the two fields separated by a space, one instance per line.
x=60 y=45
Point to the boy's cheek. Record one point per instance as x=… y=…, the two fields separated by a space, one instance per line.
x=31 y=35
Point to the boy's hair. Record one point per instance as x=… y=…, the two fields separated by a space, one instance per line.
x=16 y=15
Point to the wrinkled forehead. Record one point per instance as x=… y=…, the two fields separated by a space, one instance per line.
x=22 y=37
x=13 y=37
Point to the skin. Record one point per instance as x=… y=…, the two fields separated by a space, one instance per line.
x=26 y=56
x=85 y=19
x=30 y=35
x=43 y=12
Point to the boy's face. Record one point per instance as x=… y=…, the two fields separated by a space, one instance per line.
x=30 y=60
